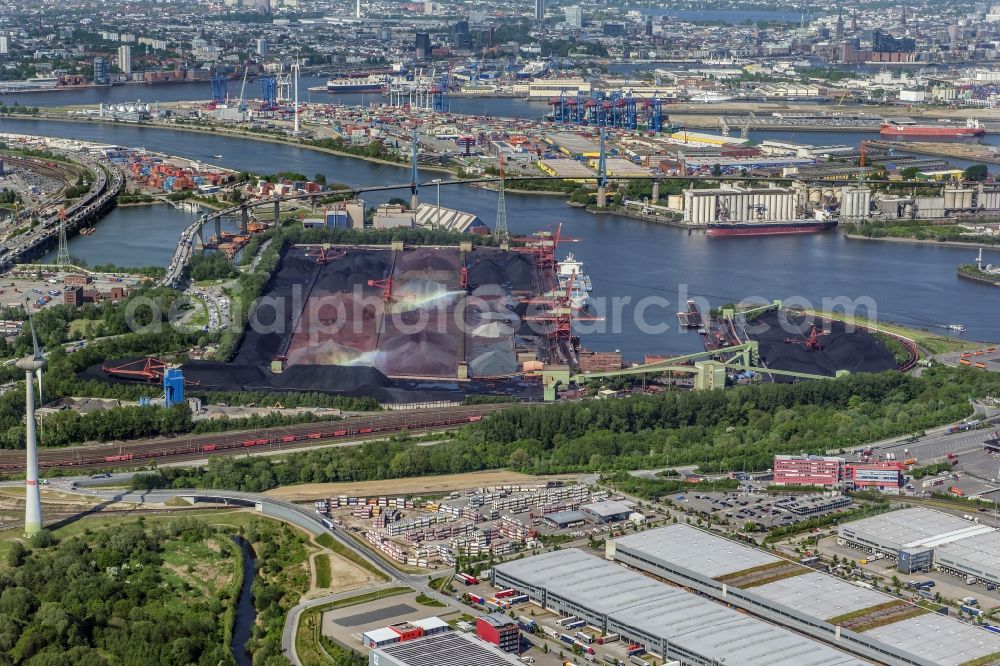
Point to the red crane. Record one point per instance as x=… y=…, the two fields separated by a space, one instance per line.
x=812 y=342
x=386 y=286
x=559 y=315
x=325 y=254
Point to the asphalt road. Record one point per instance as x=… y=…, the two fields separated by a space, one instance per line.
x=285 y=511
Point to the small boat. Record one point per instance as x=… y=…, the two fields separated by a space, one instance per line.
x=956 y=327
x=218 y=157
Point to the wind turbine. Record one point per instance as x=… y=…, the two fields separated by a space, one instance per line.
x=32 y=366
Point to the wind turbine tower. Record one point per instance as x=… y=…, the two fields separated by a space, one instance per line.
x=32 y=365
x=357 y=10
x=295 y=73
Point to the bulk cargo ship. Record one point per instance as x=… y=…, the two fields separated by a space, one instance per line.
x=822 y=222
x=904 y=127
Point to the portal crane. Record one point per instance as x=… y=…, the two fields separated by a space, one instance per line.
x=812 y=342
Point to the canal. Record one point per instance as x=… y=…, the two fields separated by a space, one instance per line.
x=650 y=269
x=246 y=614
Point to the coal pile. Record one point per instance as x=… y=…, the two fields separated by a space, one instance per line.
x=339 y=334
x=854 y=351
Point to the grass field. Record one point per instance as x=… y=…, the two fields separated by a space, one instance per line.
x=327 y=541
x=78 y=327
x=424 y=600
x=935 y=343
x=322 y=570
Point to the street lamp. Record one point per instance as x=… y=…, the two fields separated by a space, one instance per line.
x=437 y=221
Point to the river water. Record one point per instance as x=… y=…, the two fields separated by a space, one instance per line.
x=245 y=612
x=627 y=259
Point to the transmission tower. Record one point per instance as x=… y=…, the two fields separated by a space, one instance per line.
x=62 y=255
x=500 y=229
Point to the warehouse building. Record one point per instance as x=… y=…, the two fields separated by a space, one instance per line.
x=795 y=596
x=668 y=621
x=607 y=512
x=433 y=217
x=404 y=631
x=450 y=648
x=920 y=539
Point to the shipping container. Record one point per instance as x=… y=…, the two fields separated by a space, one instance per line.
x=586 y=638
x=527 y=624
x=610 y=638
x=467 y=579
x=638 y=661
x=503 y=594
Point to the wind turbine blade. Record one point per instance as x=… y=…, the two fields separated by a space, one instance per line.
x=34 y=337
x=41 y=400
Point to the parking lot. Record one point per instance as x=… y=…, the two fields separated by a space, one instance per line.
x=882 y=570
x=737 y=509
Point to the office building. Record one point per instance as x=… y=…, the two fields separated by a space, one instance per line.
x=423 y=45
x=262 y=47
x=499 y=630
x=807 y=470
x=833 y=471
x=125 y=59
x=4 y=45
x=264 y=7
x=886 y=475
x=101 y=76
x=539 y=10
x=574 y=16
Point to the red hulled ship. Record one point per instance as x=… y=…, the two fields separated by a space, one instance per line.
x=905 y=127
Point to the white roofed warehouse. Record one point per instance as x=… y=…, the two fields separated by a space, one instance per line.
x=670 y=622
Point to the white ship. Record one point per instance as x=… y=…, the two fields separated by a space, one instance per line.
x=357 y=83
x=711 y=97
x=37 y=84
x=571 y=267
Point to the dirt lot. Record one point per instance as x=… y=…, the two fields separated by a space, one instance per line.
x=423 y=484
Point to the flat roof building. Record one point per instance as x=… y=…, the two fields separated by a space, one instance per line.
x=792 y=595
x=670 y=622
x=807 y=470
x=445 y=649
x=919 y=539
x=606 y=512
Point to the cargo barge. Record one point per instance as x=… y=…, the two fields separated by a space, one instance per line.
x=776 y=228
x=904 y=127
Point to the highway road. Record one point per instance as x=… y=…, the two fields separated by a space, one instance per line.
x=102 y=194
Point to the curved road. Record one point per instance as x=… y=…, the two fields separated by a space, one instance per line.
x=291 y=513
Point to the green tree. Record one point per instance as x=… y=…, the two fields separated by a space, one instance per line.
x=976 y=173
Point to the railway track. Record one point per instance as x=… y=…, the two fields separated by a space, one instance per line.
x=354 y=429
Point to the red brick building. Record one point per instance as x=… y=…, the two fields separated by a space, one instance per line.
x=807 y=470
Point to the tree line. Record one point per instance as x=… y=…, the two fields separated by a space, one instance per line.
x=738 y=429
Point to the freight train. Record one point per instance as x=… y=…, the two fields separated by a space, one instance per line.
x=196 y=448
